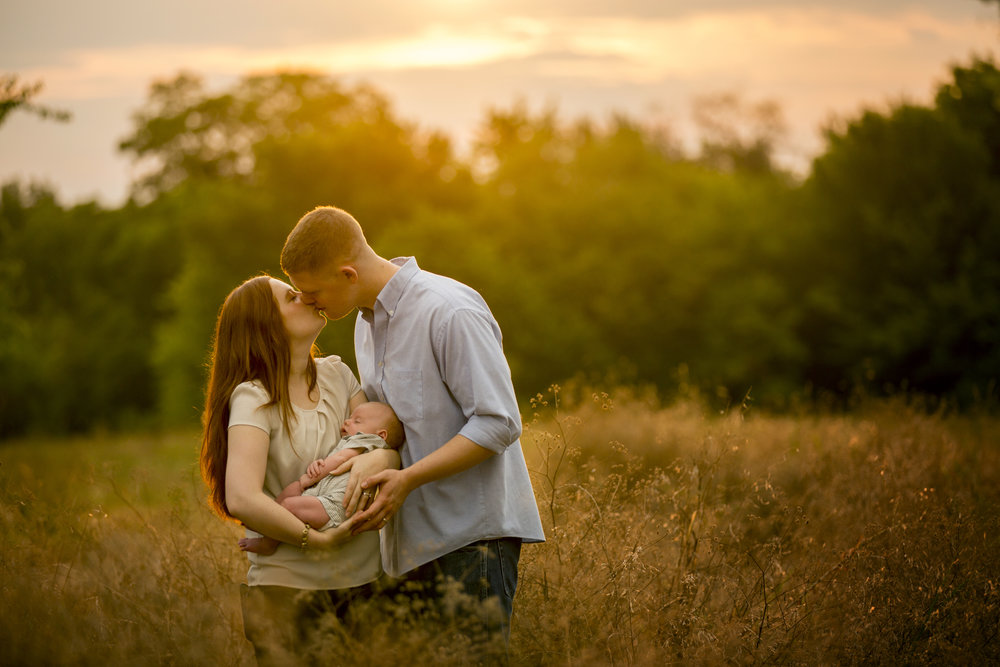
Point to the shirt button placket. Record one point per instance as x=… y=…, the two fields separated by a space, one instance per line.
x=381 y=330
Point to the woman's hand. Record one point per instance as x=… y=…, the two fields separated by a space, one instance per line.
x=331 y=537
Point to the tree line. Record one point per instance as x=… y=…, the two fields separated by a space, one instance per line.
x=606 y=252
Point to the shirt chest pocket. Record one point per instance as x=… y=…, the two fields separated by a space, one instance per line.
x=404 y=391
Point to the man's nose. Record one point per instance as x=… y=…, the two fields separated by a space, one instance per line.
x=308 y=300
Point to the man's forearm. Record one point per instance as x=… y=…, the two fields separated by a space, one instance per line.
x=453 y=457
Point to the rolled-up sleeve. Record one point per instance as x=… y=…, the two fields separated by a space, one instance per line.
x=476 y=372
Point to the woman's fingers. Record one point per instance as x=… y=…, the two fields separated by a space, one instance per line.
x=374 y=518
x=329 y=538
x=376 y=521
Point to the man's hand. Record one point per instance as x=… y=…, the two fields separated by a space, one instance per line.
x=454 y=456
x=363 y=467
x=393 y=488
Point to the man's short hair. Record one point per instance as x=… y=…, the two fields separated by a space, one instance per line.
x=324 y=236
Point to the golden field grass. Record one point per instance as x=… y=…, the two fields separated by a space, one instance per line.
x=675 y=536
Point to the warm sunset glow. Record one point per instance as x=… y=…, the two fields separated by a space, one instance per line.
x=439 y=46
x=446 y=61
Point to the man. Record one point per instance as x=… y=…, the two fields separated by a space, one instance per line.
x=427 y=345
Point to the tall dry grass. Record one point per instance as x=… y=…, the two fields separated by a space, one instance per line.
x=674 y=536
x=679 y=537
x=107 y=556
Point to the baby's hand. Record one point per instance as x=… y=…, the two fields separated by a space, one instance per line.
x=316 y=469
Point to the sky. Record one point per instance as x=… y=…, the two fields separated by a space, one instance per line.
x=444 y=63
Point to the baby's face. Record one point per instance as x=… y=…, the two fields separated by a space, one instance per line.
x=366 y=418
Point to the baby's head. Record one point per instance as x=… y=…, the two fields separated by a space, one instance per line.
x=377 y=418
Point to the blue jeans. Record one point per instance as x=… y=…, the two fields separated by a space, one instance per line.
x=486 y=572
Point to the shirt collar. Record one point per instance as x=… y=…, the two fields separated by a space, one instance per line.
x=390 y=295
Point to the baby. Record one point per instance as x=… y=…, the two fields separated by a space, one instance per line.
x=317 y=497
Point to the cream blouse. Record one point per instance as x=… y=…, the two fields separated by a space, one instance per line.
x=314 y=435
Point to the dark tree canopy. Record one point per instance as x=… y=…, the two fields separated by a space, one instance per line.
x=606 y=252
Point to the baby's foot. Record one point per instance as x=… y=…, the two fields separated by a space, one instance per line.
x=258 y=545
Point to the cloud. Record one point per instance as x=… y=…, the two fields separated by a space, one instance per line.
x=443 y=63
x=753 y=45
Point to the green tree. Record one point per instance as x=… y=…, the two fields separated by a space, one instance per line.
x=625 y=260
x=234 y=170
x=15 y=95
x=303 y=134
x=78 y=312
x=737 y=135
x=972 y=99
x=902 y=279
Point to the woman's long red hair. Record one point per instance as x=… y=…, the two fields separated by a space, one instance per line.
x=250 y=343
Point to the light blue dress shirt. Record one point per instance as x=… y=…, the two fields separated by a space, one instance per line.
x=432 y=350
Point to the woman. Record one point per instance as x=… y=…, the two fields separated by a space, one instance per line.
x=271 y=409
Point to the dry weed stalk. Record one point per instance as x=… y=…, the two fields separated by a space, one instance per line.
x=675 y=536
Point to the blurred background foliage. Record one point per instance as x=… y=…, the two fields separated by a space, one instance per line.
x=606 y=251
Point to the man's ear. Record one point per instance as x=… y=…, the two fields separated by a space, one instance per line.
x=350 y=273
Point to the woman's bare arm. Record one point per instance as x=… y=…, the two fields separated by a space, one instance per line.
x=245 y=469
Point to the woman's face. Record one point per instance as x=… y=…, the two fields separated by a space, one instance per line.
x=302 y=322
